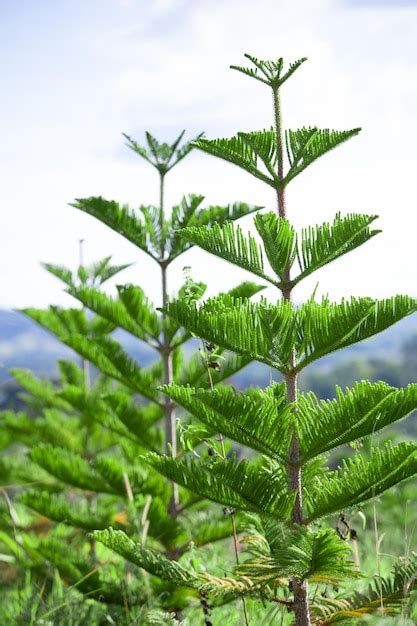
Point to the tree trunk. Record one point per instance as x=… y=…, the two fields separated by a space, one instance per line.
x=169 y=406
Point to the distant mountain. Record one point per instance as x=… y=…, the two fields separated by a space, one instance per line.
x=25 y=344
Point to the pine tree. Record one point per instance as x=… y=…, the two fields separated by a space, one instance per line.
x=284 y=493
x=86 y=440
x=288 y=488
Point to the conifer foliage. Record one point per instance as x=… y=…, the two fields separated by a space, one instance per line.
x=289 y=488
x=85 y=434
x=103 y=465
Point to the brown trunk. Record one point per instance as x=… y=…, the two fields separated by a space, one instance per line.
x=301 y=608
x=299 y=588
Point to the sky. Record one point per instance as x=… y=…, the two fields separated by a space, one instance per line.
x=75 y=75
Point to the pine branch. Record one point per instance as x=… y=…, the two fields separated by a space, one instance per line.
x=110 y=358
x=209 y=217
x=61 y=272
x=41 y=389
x=212 y=529
x=163 y=527
x=101 y=271
x=194 y=372
x=257 y=419
x=139 y=421
x=180 y=218
x=53 y=427
x=325 y=327
x=70 y=373
x=131 y=311
x=142 y=480
x=91 y=583
x=81 y=514
x=279 y=240
x=243 y=291
x=259 y=331
x=239 y=151
x=153 y=562
x=229 y=243
x=162 y=156
x=58 y=321
x=16 y=470
x=306 y=145
x=391 y=592
x=269 y=72
x=360 y=479
x=69 y=468
x=323 y=244
x=121 y=219
x=358 y=412
x=246 y=486
x=300 y=553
